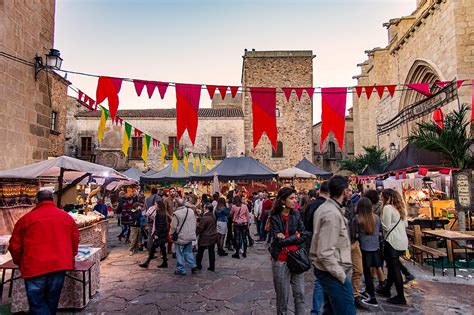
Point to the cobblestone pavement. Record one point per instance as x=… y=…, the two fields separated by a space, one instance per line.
x=240 y=287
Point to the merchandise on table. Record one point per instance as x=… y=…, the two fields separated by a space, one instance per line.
x=83 y=220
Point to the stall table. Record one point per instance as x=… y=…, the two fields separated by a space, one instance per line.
x=96 y=234
x=451 y=236
x=80 y=284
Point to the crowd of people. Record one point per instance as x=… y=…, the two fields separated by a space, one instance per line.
x=344 y=235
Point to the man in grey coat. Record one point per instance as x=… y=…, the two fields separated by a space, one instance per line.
x=184 y=223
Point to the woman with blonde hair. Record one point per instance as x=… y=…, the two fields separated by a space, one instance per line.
x=394 y=223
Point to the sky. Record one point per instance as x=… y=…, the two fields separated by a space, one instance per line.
x=203 y=41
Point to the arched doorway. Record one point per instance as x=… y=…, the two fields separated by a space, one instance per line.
x=420 y=72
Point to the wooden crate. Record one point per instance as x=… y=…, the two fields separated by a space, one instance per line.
x=96 y=235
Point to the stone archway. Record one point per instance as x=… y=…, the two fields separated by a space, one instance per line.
x=420 y=72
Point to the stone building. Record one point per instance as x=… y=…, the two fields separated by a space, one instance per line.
x=329 y=156
x=434 y=43
x=219 y=132
x=294 y=118
x=32 y=112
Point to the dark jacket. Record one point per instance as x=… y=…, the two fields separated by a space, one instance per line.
x=309 y=213
x=206 y=230
x=161 y=229
x=277 y=225
x=350 y=215
x=136 y=218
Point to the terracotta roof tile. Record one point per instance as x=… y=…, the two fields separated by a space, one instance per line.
x=169 y=113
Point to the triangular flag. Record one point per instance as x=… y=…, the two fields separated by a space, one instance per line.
x=145 y=148
x=222 y=90
x=310 y=92
x=108 y=88
x=80 y=95
x=187 y=107
x=423 y=88
x=333 y=114
x=104 y=115
x=391 y=89
x=163 y=153
x=422 y=171
x=459 y=83
x=205 y=162
x=200 y=163
x=404 y=174
x=264 y=114
x=211 y=161
x=150 y=88
x=368 y=91
x=299 y=92
x=186 y=161
x=195 y=163
x=441 y=84
x=139 y=84
x=287 y=92
x=358 y=90
x=127 y=132
x=137 y=132
x=233 y=90
x=162 y=87
x=211 y=89
x=380 y=89
x=445 y=171
x=175 y=163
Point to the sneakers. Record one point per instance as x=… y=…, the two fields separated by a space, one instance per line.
x=365 y=294
x=409 y=278
x=358 y=303
x=370 y=302
x=397 y=300
x=143 y=265
x=383 y=291
x=177 y=273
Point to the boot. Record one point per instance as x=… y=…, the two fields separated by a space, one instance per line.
x=164 y=264
x=144 y=265
x=236 y=255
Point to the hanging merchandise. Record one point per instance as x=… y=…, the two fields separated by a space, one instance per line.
x=108 y=88
x=127 y=132
x=187 y=106
x=146 y=148
x=333 y=113
x=264 y=114
x=104 y=115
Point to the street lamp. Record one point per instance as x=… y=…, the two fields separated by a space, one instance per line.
x=53 y=61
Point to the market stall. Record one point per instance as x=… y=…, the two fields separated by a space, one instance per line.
x=309 y=167
x=297 y=177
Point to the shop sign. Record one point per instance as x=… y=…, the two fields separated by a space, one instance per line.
x=462 y=189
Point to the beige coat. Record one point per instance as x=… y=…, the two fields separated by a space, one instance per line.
x=188 y=232
x=331 y=246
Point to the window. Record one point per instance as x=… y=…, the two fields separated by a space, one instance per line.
x=279 y=151
x=216 y=146
x=86 y=146
x=54 y=116
x=173 y=142
x=136 y=148
x=332 y=150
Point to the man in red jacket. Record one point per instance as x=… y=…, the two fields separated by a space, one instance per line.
x=43 y=244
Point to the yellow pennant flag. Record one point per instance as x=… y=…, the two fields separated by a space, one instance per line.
x=174 y=163
x=211 y=162
x=195 y=163
x=200 y=164
x=163 y=153
x=104 y=115
x=206 y=163
x=145 y=148
x=186 y=161
x=126 y=138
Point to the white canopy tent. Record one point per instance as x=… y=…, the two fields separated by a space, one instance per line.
x=294 y=172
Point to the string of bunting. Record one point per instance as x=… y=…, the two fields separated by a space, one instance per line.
x=199 y=160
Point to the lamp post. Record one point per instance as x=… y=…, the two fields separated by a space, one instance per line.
x=53 y=61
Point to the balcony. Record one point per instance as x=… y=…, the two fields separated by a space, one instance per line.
x=332 y=156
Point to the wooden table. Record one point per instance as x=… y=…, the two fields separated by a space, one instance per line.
x=451 y=236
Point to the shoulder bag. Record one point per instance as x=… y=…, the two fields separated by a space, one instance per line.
x=175 y=235
x=382 y=241
x=298 y=260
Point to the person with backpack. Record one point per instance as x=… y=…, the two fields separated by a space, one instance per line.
x=370 y=231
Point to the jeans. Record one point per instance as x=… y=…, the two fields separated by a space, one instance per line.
x=212 y=257
x=184 y=253
x=153 y=248
x=240 y=237
x=338 y=297
x=318 y=296
x=263 y=234
x=43 y=292
x=282 y=280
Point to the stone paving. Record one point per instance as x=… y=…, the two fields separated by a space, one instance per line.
x=241 y=287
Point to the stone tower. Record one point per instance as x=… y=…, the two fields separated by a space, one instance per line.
x=294 y=118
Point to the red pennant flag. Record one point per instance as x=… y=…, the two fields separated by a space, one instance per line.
x=422 y=171
x=80 y=94
x=444 y=171
x=391 y=89
x=359 y=90
x=310 y=92
x=120 y=120
x=139 y=84
x=404 y=174
x=150 y=88
x=380 y=89
x=187 y=106
x=138 y=132
x=91 y=103
x=222 y=90
x=211 y=89
x=368 y=91
x=423 y=88
x=264 y=114
x=459 y=83
x=333 y=113
x=233 y=90
x=299 y=92
x=438 y=118
x=441 y=84
x=397 y=175
x=287 y=92
x=108 y=88
x=162 y=87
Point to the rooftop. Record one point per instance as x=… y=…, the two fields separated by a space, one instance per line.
x=169 y=113
x=278 y=53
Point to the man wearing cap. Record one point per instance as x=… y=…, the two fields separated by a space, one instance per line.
x=43 y=244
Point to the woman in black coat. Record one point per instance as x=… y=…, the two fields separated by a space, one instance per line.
x=159 y=235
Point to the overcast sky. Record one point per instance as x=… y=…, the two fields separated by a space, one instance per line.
x=203 y=41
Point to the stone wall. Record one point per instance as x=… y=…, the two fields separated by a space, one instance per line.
x=280 y=69
x=27 y=28
x=59 y=104
x=434 y=43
